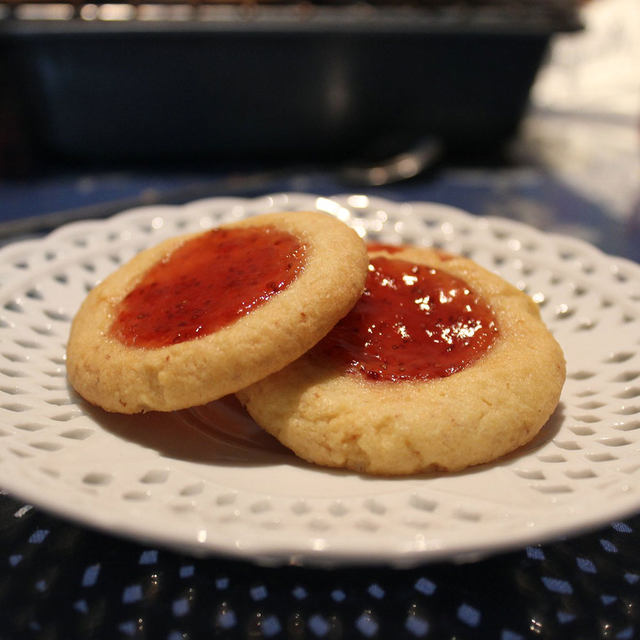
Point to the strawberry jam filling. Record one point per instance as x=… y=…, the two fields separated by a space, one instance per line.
x=206 y=284
x=413 y=322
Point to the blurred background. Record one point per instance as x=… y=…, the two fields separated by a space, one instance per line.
x=267 y=81
x=503 y=107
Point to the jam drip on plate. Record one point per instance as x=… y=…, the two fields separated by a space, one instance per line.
x=206 y=284
x=413 y=322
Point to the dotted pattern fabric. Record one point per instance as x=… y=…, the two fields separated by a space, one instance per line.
x=61 y=582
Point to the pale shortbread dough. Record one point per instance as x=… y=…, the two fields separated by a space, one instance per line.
x=476 y=415
x=131 y=380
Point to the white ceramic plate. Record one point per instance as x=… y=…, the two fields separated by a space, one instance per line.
x=209 y=481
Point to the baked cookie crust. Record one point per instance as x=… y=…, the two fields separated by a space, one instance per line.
x=131 y=380
x=476 y=415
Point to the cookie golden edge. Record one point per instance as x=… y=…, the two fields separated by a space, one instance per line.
x=129 y=380
x=475 y=416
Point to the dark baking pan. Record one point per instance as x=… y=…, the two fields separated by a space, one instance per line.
x=277 y=82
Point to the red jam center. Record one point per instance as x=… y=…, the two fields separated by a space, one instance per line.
x=413 y=322
x=206 y=284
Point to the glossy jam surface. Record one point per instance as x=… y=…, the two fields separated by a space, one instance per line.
x=413 y=322
x=206 y=284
